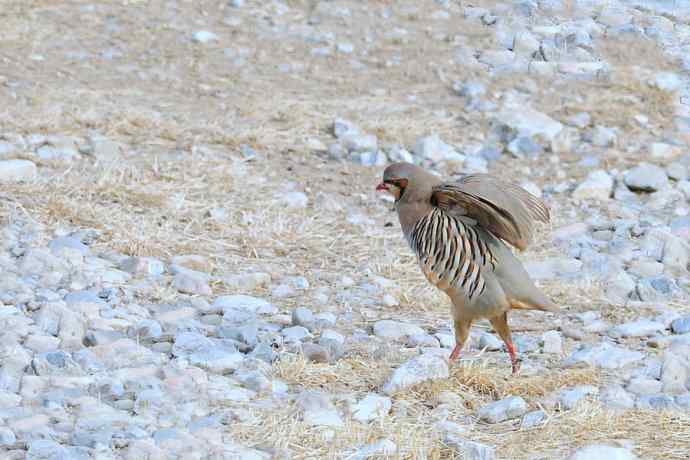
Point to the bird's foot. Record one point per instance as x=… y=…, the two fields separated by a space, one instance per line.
x=456 y=352
x=516 y=365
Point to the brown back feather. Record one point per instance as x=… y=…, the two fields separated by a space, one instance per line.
x=503 y=208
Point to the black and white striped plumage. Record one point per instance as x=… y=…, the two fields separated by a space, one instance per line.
x=451 y=252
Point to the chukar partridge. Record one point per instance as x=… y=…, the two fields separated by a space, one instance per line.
x=459 y=231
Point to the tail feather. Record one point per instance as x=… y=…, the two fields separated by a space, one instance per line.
x=543 y=304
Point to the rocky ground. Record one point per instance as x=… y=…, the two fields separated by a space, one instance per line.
x=194 y=263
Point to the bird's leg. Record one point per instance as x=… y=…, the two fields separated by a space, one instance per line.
x=500 y=324
x=462 y=330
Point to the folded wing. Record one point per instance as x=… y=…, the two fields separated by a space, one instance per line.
x=503 y=208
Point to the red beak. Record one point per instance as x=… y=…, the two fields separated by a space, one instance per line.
x=382 y=186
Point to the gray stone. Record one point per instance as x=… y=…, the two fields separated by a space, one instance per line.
x=618 y=287
x=568 y=398
x=422 y=340
x=469 y=450
x=602 y=136
x=639 y=328
x=597 y=186
x=204 y=36
x=552 y=342
x=294 y=200
x=342 y=127
x=675 y=373
x=602 y=452
x=615 y=397
x=656 y=289
x=67 y=242
x=232 y=305
x=554 y=268
x=646 y=177
x=579 y=120
x=17 y=171
x=318 y=410
x=678 y=171
x=395 y=330
x=247 y=281
x=383 y=448
x=604 y=355
x=356 y=142
x=532 y=419
x=302 y=316
x=656 y=402
x=192 y=282
x=296 y=334
x=416 y=370
x=56 y=363
x=371 y=407
x=7 y=437
x=683 y=401
x=681 y=325
x=490 y=342
x=525 y=121
x=643 y=386
x=505 y=409
x=676 y=253
x=525 y=146
x=434 y=149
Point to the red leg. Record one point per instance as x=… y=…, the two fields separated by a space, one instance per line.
x=500 y=324
x=513 y=357
x=462 y=330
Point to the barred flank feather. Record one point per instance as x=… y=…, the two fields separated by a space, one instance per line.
x=451 y=252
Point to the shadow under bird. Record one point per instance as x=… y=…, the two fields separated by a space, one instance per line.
x=458 y=231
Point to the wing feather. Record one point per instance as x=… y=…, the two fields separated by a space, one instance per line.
x=503 y=208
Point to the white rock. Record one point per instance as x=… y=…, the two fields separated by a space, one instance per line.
x=505 y=409
x=372 y=406
x=17 y=171
x=674 y=374
x=597 y=186
x=434 y=149
x=602 y=452
x=639 y=328
x=490 y=342
x=667 y=81
x=395 y=330
x=294 y=200
x=570 y=397
x=553 y=342
x=204 y=36
x=529 y=122
x=231 y=303
x=416 y=370
x=604 y=355
x=646 y=177
x=247 y=281
x=318 y=409
x=383 y=448
x=469 y=450
x=191 y=282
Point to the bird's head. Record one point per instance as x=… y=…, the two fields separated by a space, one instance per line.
x=406 y=181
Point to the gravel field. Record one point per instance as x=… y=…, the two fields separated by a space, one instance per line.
x=194 y=263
